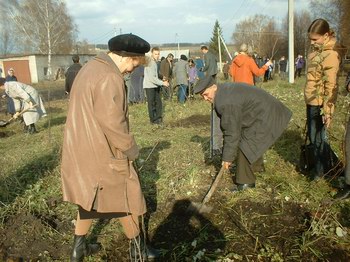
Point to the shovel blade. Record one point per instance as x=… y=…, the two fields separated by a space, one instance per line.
x=199 y=208
x=3 y=123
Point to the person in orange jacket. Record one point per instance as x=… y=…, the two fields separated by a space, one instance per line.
x=243 y=67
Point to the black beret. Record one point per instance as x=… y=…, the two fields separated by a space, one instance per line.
x=128 y=45
x=203 y=84
x=2 y=81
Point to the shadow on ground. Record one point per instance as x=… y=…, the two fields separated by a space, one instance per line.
x=185 y=234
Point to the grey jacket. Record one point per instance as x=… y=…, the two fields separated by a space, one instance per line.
x=151 y=79
x=251 y=119
x=210 y=64
x=181 y=72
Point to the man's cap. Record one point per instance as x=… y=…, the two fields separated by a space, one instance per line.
x=2 y=81
x=203 y=84
x=128 y=45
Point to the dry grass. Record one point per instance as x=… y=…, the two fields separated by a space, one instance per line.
x=286 y=218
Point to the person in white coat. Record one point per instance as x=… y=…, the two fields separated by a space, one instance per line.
x=28 y=99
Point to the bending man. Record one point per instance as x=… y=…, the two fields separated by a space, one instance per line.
x=251 y=121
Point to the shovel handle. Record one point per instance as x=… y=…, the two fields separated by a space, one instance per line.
x=214 y=185
x=22 y=112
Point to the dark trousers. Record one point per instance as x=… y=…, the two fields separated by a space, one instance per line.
x=317 y=136
x=217 y=136
x=245 y=170
x=297 y=72
x=154 y=103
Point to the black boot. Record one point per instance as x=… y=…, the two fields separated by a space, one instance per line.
x=81 y=249
x=32 y=129
x=25 y=128
x=141 y=252
x=343 y=193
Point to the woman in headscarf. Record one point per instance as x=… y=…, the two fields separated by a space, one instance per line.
x=25 y=98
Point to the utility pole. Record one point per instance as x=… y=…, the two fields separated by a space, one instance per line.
x=291 y=40
x=228 y=52
x=219 y=42
x=178 y=45
x=177 y=55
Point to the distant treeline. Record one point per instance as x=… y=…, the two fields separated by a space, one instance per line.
x=183 y=44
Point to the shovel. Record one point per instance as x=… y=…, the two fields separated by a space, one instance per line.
x=202 y=207
x=5 y=123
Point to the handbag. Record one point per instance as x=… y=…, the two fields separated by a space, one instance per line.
x=307 y=158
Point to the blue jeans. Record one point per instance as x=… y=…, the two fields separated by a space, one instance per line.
x=181 y=93
x=317 y=136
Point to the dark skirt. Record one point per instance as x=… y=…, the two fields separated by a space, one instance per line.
x=92 y=214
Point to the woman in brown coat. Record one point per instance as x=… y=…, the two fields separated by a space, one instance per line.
x=98 y=149
x=321 y=89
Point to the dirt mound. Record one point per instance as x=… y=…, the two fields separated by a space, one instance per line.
x=26 y=237
x=192 y=121
x=273 y=230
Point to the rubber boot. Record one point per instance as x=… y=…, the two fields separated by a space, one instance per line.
x=81 y=249
x=32 y=129
x=141 y=252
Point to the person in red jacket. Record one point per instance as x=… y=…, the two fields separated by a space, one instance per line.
x=243 y=67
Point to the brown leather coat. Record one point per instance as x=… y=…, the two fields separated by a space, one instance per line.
x=321 y=88
x=95 y=170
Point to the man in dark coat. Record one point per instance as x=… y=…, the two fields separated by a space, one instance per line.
x=210 y=62
x=211 y=69
x=71 y=73
x=283 y=68
x=165 y=73
x=251 y=121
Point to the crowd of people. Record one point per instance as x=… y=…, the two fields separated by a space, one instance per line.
x=245 y=121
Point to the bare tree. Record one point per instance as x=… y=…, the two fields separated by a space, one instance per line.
x=46 y=26
x=345 y=24
x=270 y=38
x=301 y=22
x=83 y=47
x=7 y=31
x=260 y=32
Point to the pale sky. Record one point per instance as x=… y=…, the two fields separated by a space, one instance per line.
x=169 y=21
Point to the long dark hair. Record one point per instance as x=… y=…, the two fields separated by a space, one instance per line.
x=319 y=26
